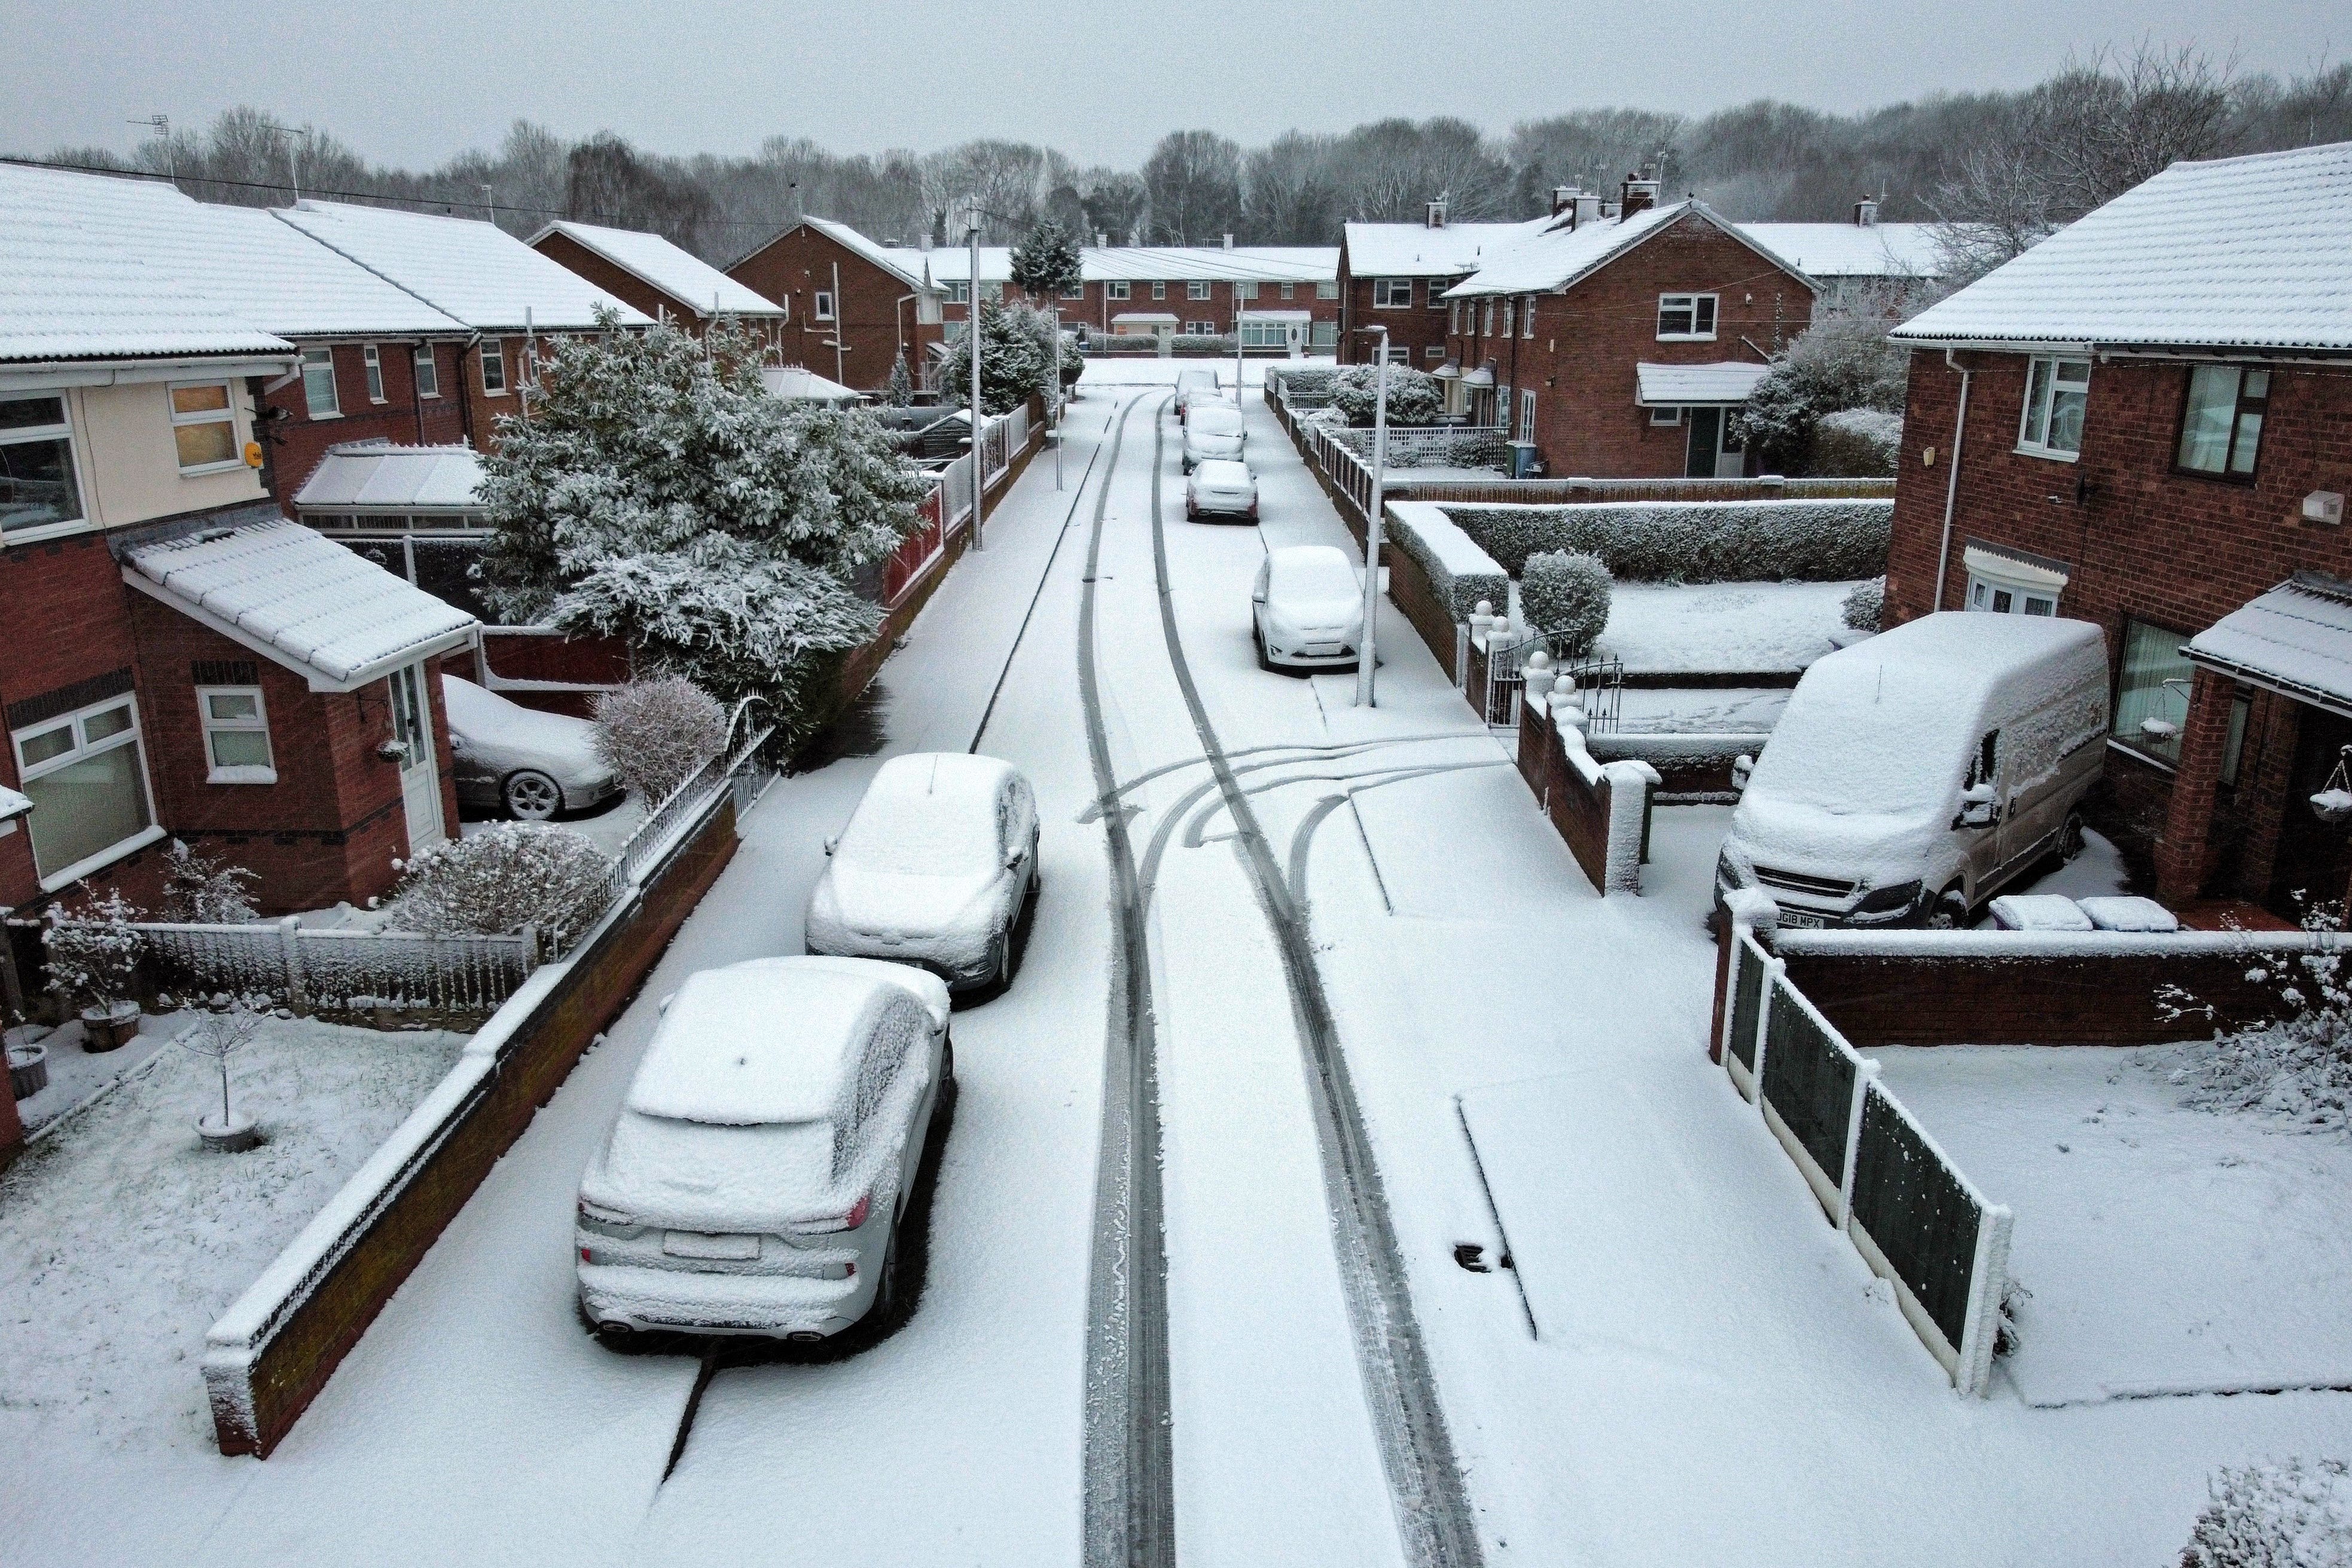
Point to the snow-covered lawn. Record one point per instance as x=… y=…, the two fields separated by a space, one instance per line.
x=2166 y=1249
x=76 y=1074
x=121 y=1238
x=1722 y=626
x=1700 y=710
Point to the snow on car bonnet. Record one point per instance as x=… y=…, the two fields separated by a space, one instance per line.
x=933 y=813
x=1307 y=572
x=746 y=1045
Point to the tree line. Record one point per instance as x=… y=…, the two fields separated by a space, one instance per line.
x=2012 y=162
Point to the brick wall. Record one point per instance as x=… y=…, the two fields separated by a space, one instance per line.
x=872 y=323
x=296 y=441
x=1416 y=329
x=1410 y=591
x=1096 y=308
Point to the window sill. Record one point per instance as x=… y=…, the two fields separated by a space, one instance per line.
x=315 y=416
x=1687 y=337
x=104 y=858
x=488 y=393
x=40 y=531
x=242 y=776
x=2116 y=742
x=2047 y=454
x=202 y=469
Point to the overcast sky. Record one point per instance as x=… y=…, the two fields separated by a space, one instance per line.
x=411 y=83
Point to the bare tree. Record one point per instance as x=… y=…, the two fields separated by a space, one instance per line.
x=1192 y=181
x=1392 y=168
x=1289 y=193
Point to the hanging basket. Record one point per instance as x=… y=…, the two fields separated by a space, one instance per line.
x=2333 y=806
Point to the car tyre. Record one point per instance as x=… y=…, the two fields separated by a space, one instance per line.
x=531 y=796
x=1263 y=662
x=2070 y=837
x=947 y=1073
x=883 y=1312
x=1949 y=912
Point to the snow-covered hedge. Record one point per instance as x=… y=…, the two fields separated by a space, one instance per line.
x=2290 y=1515
x=1856 y=443
x=1865 y=607
x=509 y=875
x=655 y=733
x=1567 y=596
x=1460 y=573
x=1693 y=542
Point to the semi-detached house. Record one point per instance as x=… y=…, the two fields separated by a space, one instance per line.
x=852 y=310
x=2145 y=422
x=661 y=279
x=1285 y=297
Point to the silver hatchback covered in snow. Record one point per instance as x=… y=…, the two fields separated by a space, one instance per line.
x=755 y=1180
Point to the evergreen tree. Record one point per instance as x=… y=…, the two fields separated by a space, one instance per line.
x=660 y=495
x=902 y=384
x=1016 y=358
x=1045 y=265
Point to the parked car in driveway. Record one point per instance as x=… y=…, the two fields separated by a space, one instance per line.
x=1212 y=432
x=1306 y=609
x=1223 y=488
x=757 y=1176
x=934 y=869
x=518 y=760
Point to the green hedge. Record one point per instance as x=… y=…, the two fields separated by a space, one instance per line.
x=1458 y=592
x=1693 y=542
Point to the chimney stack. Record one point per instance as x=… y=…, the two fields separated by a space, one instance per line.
x=1229 y=242
x=1564 y=198
x=1436 y=219
x=1588 y=208
x=1637 y=196
x=1866 y=213
x=1102 y=240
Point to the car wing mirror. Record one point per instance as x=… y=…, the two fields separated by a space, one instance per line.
x=832 y=843
x=1743 y=768
x=1976 y=809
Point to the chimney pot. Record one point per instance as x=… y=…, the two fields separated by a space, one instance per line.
x=1866 y=213
x=1229 y=242
x=1637 y=196
x=1437 y=213
x=1564 y=198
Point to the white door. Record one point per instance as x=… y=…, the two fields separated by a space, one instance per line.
x=420 y=772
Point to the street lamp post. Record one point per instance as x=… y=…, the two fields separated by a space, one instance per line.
x=1057 y=397
x=1367 y=660
x=971 y=329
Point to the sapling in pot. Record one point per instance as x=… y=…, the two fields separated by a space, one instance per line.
x=231 y=1026
x=94 y=955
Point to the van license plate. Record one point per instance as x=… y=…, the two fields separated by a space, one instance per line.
x=718 y=1248
x=1794 y=918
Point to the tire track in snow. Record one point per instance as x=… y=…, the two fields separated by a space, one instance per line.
x=1433 y=1509
x=1128 y=1471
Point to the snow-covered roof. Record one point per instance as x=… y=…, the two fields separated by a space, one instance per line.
x=683 y=276
x=2296 y=638
x=1153 y=318
x=762 y=1042
x=1563 y=251
x=1693 y=385
x=470 y=269
x=84 y=275
x=374 y=477
x=2252 y=253
x=1139 y=263
x=797 y=383
x=283 y=281
x=12 y=803
x=1853 y=249
x=1416 y=250
x=950 y=263
x=297 y=598
x=881 y=256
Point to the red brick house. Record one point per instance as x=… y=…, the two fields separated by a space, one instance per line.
x=852 y=309
x=1621 y=347
x=1288 y=295
x=2145 y=422
x=182 y=661
x=1395 y=275
x=660 y=279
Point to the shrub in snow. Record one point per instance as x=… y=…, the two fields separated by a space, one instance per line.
x=93 y=952
x=1693 y=542
x=2297 y=1066
x=660 y=495
x=1306 y=381
x=1566 y=596
x=200 y=890
x=902 y=384
x=1865 y=607
x=655 y=733
x=1459 y=591
x=2290 y=1515
x=1414 y=397
x=1016 y=358
x=1842 y=360
x=512 y=875
x=1856 y=443
x=233 y=1024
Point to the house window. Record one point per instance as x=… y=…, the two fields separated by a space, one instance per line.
x=1434 y=352
x=1436 y=291
x=958 y=294
x=374 y=364
x=1288 y=289
x=824 y=304
x=1527 y=416
x=1198 y=289
x=2055 y=393
x=2233 y=743
x=991 y=290
x=1686 y=318
x=1997 y=597
x=1327 y=290
x=1245 y=290
x=1507 y=318
x=428 y=373
x=1073 y=292
x=2222 y=424
x=2152 y=692
x=1666 y=415
x=86 y=777
x=1118 y=291
x=1527 y=317
x=203 y=427
x=1325 y=335
x=1391 y=293
x=237 y=735
x=494 y=367
x=319 y=384
x=1200 y=328
x=37 y=466
x=1160 y=290
x=1453 y=315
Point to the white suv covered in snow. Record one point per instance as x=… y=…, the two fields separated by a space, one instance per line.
x=756 y=1178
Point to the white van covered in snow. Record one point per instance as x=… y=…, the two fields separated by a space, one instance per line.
x=1914 y=774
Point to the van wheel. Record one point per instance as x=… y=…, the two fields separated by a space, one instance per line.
x=1949 y=913
x=2070 y=837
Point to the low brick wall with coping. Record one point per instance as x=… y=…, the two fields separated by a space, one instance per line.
x=1600 y=810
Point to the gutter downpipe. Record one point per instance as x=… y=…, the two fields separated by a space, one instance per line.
x=1952 y=483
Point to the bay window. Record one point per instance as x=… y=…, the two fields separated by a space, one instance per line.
x=37 y=488
x=203 y=427
x=2222 y=423
x=2056 y=390
x=86 y=775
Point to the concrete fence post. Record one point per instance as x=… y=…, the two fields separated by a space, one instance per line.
x=290 y=946
x=1864 y=1075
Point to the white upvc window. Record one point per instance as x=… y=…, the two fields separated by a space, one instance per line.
x=86 y=775
x=1527 y=416
x=494 y=367
x=203 y=427
x=1330 y=290
x=237 y=735
x=1453 y=315
x=319 y=396
x=1246 y=289
x=1288 y=290
x=1159 y=290
x=1486 y=319
x=38 y=487
x=1666 y=415
x=1686 y=317
x=1074 y=290
x=1324 y=335
x=1117 y=290
x=823 y=309
x=1528 y=316
x=1434 y=352
x=428 y=373
x=960 y=292
x=1197 y=289
x=2056 y=392
x=374 y=364
x=2005 y=598
x=1391 y=293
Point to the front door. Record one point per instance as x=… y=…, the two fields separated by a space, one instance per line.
x=1715 y=450
x=420 y=772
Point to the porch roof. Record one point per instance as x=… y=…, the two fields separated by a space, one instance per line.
x=12 y=803
x=357 y=476
x=1695 y=385
x=294 y=596
x=2295 y=639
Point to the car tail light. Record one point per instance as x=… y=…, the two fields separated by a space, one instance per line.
x=850 y=1221
x=584 y=1255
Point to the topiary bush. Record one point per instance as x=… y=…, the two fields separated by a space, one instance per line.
x=1459 y=573
x=1566 y=596
x=1414 y=397
x=1865 y=606
x=509 y=875
x=656 y=733
x=1693 y=542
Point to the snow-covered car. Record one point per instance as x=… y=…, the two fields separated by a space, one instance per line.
x=1221 y=487
x=1916 y=774
x=1213 y=432
x=1197 y=387
x=518 y=760
x=756 y=1178
x=936 y=865
x=1306 y=609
